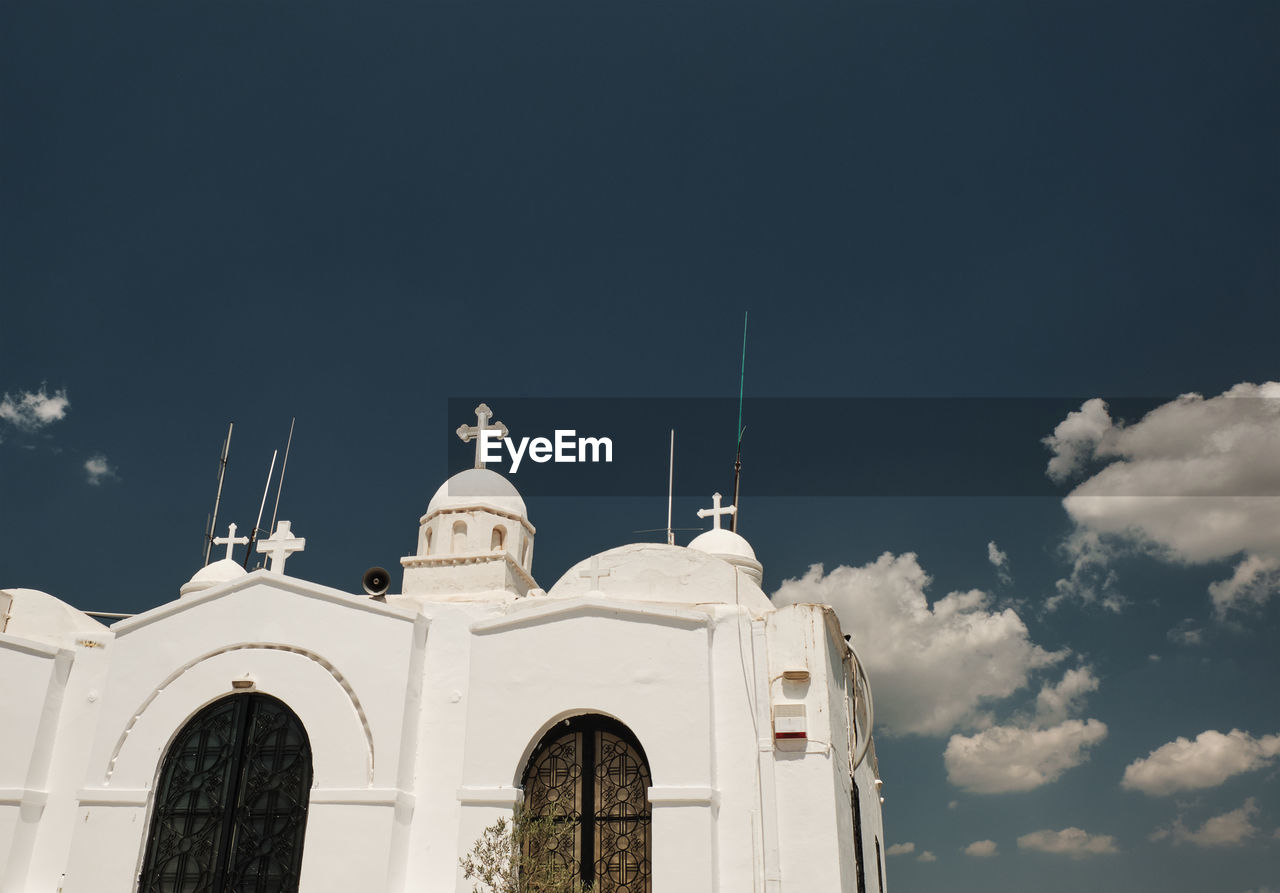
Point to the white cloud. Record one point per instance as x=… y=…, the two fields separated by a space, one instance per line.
x=1000 y=561
x=1076 y=438
x=995 y=556
x=1252 y=582
x=982 y=849
x=1192 y=481
x=934 y=666
x=1056 y=702
x=1186 y=633
x=1206 y=762
x=1009 y=758
x=953 y=804
x=33 y=410
x=1091 y=580
x=1033 y=749
x=1229 y=829
x=98 y=469
x=900 y=849
x=1073 y=842
x=926 y=856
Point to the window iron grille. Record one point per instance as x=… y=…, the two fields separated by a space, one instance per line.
x=589 y=775
x=230 y=807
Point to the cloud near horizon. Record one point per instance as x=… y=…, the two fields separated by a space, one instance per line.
x=1206 y=762
x=1074 y=842
x=934 y=667
x=1227 y=830
x=981 y=849
x=1195 y=480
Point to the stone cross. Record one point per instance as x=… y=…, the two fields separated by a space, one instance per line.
x=230 y=540
x=594 y=573
x=716 y=512
x=475 y=432
x=280 y=545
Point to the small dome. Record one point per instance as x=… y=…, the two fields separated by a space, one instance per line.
x=729 y=546
x=721 y=543
x=477 y=487
x=211 y=575
x=656 y=572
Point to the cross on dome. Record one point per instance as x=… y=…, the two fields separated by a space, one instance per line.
x=230 y=540
x=717 y=511
x=594 y=573
x=468 y=433
x=280 y=545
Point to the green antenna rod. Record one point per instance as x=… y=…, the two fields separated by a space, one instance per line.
x=737 y=462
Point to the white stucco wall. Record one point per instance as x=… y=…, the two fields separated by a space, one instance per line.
x=341 y=663
x=422 y=715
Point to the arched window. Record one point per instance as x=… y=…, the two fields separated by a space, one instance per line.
x=427 y=542
x=230 y=806
x=459 y=536
x=498 y=539
x=590 y=773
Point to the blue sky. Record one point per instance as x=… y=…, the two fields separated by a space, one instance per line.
x=350 y=213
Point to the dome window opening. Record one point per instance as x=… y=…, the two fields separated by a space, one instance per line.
x=426 y=542
x=499 y=538
x=459 y=536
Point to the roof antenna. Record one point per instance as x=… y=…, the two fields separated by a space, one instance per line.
x=257 y=527
x=283 y=466
x=671 y=480
x=222 y=471
x=737 y=463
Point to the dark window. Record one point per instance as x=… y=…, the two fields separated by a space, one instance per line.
x=857 y=834
x=231 y=803
x=879 y=866
x=590 y=773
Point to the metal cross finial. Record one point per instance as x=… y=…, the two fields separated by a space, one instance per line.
x=475 y=432
x=594 y=573
x=716 y=512
x=280 y=545
x=230 y=540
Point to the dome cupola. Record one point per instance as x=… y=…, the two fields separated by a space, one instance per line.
x=727 y=545
x=223 y=571
x=475 y=538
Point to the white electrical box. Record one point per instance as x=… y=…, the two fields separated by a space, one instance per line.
x=789 y=722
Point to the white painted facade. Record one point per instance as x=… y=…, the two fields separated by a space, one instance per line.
x=423 y=708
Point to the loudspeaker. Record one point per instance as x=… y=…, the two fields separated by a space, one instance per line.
x=376 y=581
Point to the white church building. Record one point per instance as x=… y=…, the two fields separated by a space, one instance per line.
x=262 y=734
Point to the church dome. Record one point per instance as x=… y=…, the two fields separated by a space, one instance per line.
x=722 y=544
x=732 y=548
x=478 y=487
x=656 y=572
x=211 y=575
